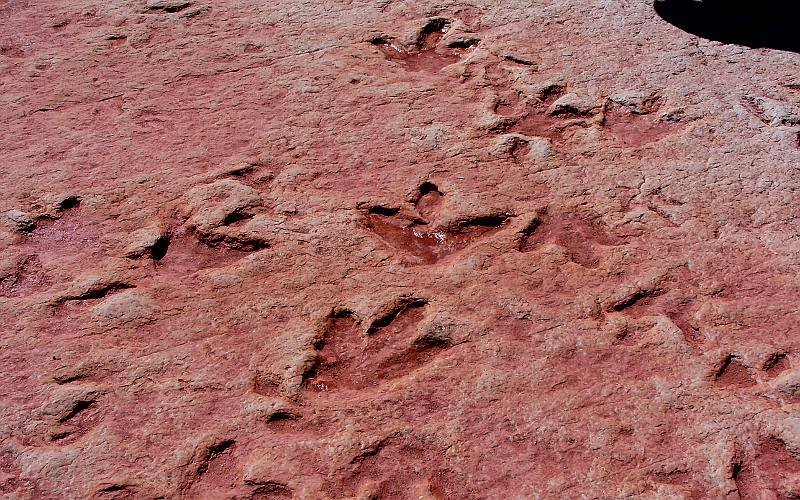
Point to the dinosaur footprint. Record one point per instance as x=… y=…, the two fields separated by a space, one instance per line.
x=391 y=348
x=636 y=125
x=584 y=238
x=426 y=53
x=412 y=231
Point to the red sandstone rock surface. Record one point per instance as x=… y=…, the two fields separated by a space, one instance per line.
x=394 y=249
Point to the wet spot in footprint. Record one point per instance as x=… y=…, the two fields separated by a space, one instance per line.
x=426 y=54
x=462 y=47
x=410 y=238
x=432 y=32
x=417 y=61
x=412 y=234
x=414 y=238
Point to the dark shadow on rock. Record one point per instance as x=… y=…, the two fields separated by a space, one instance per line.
x=773 y=24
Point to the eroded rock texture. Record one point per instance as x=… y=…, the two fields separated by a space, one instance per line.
x=394 y=249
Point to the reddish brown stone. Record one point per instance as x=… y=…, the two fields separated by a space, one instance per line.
x=393 y=249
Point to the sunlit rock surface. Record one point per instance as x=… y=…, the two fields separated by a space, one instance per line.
x=395 y=249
